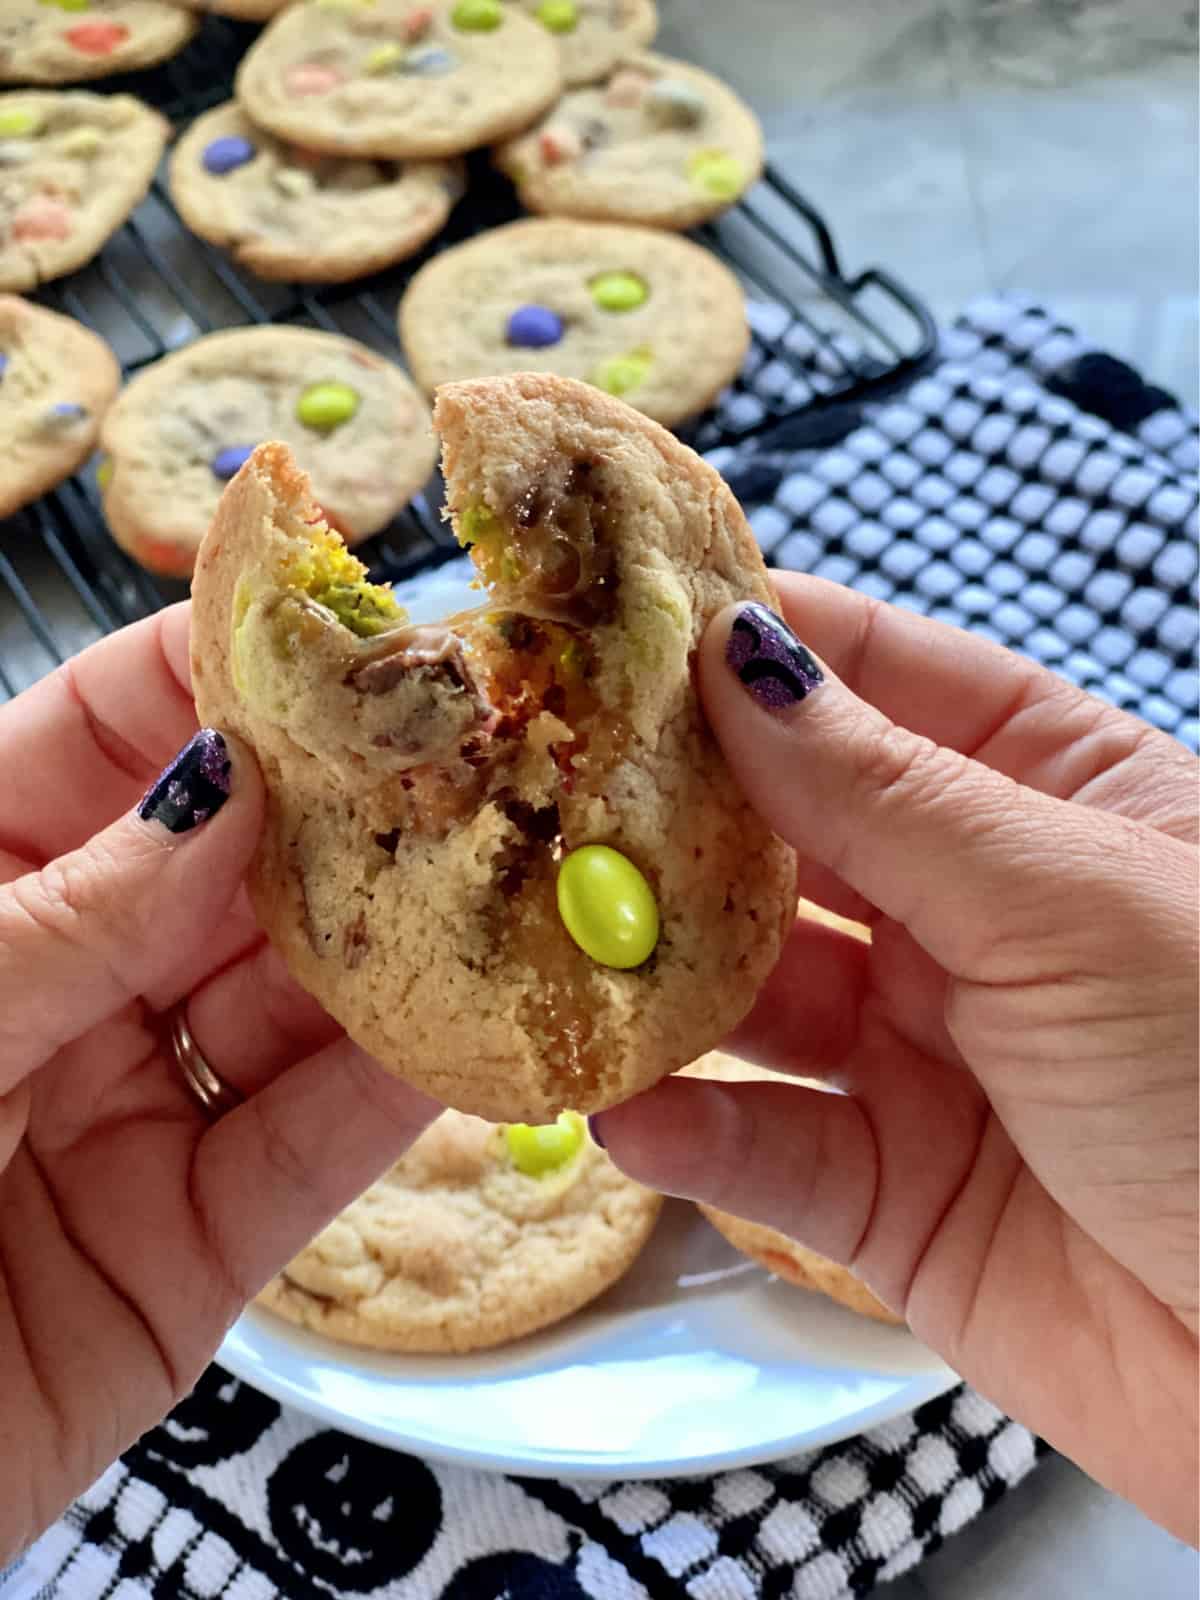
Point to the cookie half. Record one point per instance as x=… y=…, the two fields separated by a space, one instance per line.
x=786 y=1258
x=289 y=213
x=659 y=142
x=593 y=35
x=74 y=166
x=46 y=41
x=397 y=79
x=185 y=424
x=655 y=320
x=457 y=1248
x=57 y=378
x=505 y=852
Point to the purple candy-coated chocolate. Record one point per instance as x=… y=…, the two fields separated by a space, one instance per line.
x=224 y=155
x=3 y=364
x=534 y=327
x=231 y=460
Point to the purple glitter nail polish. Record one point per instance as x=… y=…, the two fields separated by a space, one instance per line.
x=193 y=788
x=769 y=659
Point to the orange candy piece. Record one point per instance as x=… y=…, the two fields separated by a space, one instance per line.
x=97 y=38
x=310 y=77
x=42 y=217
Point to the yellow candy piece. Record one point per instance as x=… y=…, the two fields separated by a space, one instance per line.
x=81 y=142
x=384 y=58
x=560 y=16
x=477 y=16
x=334 y=578
x=325 y=406
x=18 y=122
x=475 y=523
x=104 y=472
x=718 y=173
x=619 y=374
x=607 y=906
x=538 y=1151
x=619 y=291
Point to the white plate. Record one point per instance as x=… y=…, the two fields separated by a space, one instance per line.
x=696 y=1361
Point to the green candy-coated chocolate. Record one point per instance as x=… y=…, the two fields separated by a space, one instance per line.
x=718 y=173
x=18 y=122
x=619 y=291
x=619 y=374
x=477 y=16
x=536 y=1151
x=560 y=16
x=325 y=406
x=607 y=906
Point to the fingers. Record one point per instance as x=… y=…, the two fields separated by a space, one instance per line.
x=271 y=1174
x=93 y=735
x=968 y=861
x=865 y=1186
x=113 y=919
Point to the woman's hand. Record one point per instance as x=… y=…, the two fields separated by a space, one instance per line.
x=131 y=1230
x=1014 y=1162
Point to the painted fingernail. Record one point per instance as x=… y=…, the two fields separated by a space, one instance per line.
x=193 y=788
x=769 y=659
x=593 y=1123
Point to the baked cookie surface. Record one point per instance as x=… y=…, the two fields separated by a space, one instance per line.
x=55 y=43
x=505 y=852
x=786 y=1258
x=659 y=142
x=56 y=380
x=184 y=425
x=399 y=79
x=655 y=320
x=287 y=213
x=241 y=10
x=73 y=165
x=593 y=35
x=458 y=1249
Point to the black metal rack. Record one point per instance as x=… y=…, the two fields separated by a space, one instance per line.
x=155 y=287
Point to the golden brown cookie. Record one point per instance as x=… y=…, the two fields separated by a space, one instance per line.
x=56 y=380
x=185 y=424
x=505 y=852
x=653 y=319
x=46 y=42
x=593 y=35
x=458 y=1249
x=289 y=213
x=658 y=142
x=73 y=165
x=787 y=1258
x=399 y=79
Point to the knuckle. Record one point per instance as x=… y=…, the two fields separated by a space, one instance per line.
x=898 y=769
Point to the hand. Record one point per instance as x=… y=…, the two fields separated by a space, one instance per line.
x=1013 y=1164
x=131 y=1230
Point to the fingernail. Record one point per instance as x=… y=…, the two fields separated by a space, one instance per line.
x=193 y=788
x=769 y=659
x=593 y=1123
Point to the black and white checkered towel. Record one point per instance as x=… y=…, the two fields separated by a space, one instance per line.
x=1030 y=488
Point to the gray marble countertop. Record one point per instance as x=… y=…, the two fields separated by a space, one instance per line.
x=975 y=145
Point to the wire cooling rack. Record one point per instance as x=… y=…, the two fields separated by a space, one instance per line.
x=155 y=287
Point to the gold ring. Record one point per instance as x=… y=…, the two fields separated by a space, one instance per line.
x=214 y=1096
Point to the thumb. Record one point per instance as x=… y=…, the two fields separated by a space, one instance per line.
x=969 y=861
x=100 y=926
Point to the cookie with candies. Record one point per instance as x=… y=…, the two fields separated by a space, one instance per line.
x=478 y=1236
x=398 y=79
x=67 y=41
x=658 y=142
x=56 y=380
x=504 y=850
x=73 y=165
x=289 y=213
x=185 y=425
x=594 y=35
x=646 y=316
